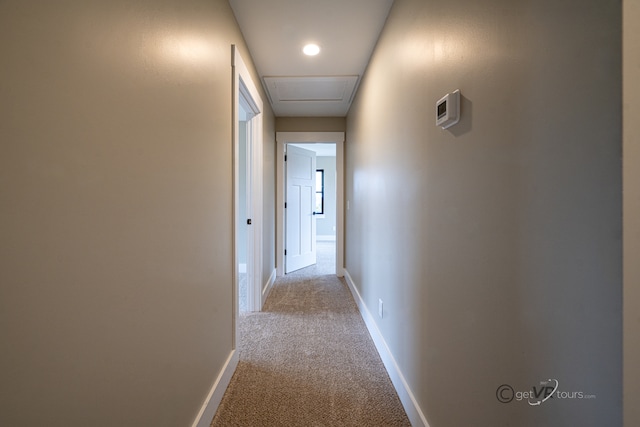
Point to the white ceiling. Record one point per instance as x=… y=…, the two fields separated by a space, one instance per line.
x=276 y=31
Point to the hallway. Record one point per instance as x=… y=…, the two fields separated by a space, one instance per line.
x=501 y=251
x=308 y=359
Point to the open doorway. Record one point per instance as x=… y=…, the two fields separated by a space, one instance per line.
x=244 y=237
x=247 y=155
x=323 y=197
x=328 y=238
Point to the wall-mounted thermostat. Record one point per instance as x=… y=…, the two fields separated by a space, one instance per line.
x=448 y=110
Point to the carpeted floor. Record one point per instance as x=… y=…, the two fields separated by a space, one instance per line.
x=307 y=360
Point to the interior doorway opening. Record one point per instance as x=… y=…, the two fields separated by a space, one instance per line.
x=322 y=197
x=309 y=140
x=247 y=166
x=244 y=238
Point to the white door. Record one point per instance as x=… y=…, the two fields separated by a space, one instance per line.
x=300 y=250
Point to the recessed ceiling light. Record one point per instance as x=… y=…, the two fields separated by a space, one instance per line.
x=311 y=49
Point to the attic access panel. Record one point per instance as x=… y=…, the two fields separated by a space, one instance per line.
x=325 y=95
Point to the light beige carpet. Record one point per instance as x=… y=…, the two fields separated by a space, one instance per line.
x=308 y=360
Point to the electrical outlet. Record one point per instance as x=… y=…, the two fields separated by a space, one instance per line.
x=380 y=311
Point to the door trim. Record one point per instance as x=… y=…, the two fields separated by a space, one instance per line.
x=283 y=138
x=244 y=86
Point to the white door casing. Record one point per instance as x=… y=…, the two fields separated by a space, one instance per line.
x=300 y=205
x=246 y=97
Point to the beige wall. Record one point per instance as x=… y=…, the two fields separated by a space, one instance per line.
x=631 y=214
x=501 y=236
x=116 y=209
x=311 y=124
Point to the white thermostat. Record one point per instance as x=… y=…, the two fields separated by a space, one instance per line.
x=448 y=110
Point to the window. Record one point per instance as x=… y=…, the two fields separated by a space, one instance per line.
x=320 y=191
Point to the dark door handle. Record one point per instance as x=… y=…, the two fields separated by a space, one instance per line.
x=249 y=222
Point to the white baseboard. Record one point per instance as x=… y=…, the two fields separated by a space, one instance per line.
x=267 y=288
x=211 y=403
x=407 y=398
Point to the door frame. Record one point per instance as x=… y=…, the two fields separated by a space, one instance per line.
x=283 y=138
x=243 y=86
